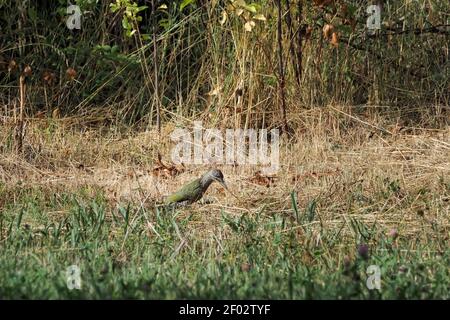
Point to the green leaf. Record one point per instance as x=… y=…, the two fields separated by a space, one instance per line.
x=311 y=210
x=32 y=14
x=114 y=7
x=141 y=8
x=250 y=7
x=185 y=3
x=125 y=23
x=115 y=49
x=165 y=23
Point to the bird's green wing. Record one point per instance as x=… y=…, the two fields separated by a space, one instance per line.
x=190 y=192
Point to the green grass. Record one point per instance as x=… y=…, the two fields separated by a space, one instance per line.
x=263 y=256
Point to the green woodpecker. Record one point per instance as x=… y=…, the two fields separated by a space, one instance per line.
x=194 y=190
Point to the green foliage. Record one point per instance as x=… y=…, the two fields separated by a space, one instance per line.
x=186 y=3
x=135 y=252
x=131 y=17
x=111 y=54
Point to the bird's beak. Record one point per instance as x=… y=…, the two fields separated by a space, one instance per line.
x=223 y=184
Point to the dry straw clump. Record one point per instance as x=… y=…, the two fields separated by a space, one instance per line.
x=347 y=163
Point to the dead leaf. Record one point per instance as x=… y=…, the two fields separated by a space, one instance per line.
x=246 y=267
x=71 y=73
x=263 y=180
x=12 y=66
x=327 y=30
x=249 y=25
x=55 y=113
x=214 y=92
x=165 y=170
x=48 y=78
x=259 y=17
x=40 y=115
x=335 y=39
x=27 y=71
x=224 y=18
x=239 y=3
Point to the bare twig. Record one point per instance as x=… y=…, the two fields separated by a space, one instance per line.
x=19 y=127
x=281 y=75
x=156 y=70
x=292 y=43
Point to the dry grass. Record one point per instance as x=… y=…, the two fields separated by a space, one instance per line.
x=335 y=155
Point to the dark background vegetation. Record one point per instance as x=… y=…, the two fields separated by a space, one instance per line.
x=180 y=60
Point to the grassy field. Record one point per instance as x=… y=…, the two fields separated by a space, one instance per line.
x=348 y=195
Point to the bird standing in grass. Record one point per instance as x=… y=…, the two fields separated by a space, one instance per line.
x=194 y=190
